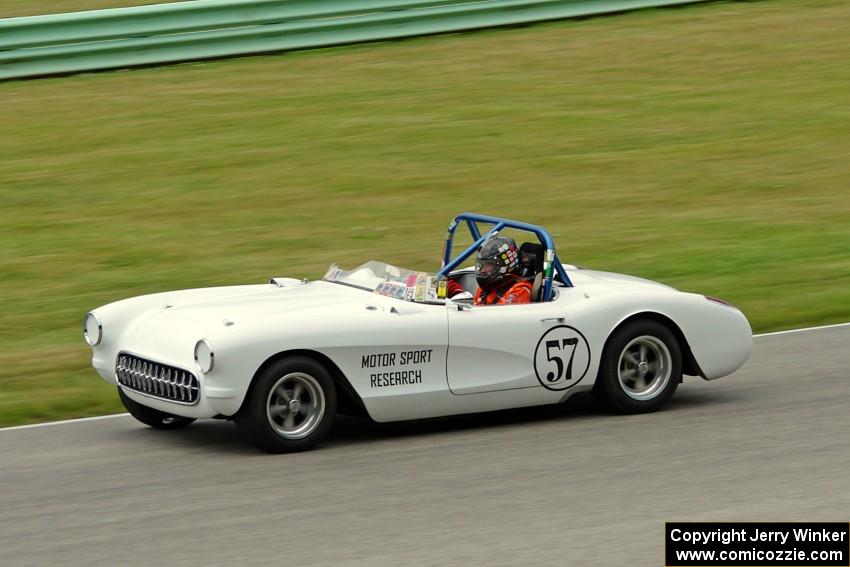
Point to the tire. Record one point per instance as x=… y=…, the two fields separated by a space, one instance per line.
x=154 y=418
x=290 y=407
x=641 y=368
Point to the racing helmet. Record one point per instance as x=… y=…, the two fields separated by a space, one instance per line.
x=497 y=258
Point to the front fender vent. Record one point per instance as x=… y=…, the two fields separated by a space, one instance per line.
x=157 y=380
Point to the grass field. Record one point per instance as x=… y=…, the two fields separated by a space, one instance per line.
x=705 y=147
x=13 y=8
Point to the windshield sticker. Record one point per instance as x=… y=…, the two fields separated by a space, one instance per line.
x=419 y=288
x=411 y=287
x=441 y=289
x=396 y=368
x=391 y=289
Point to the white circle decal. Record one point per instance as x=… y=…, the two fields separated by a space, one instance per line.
x=562 y=358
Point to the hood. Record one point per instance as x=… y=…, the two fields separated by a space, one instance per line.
x=169 y=324
x=243 y=324
x=215 y=306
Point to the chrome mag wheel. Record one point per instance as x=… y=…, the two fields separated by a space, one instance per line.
x=295 y=405
x=644 y=368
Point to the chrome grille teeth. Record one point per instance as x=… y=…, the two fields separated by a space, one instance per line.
x=169 y=387
x=158 y=380
x=182 y=386
x=166 y=387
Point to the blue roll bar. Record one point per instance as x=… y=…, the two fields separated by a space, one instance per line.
x=551 y=263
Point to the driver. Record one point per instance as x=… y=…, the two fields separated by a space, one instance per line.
x=497 y=272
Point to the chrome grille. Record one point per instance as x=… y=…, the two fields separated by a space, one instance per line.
x=157 y=380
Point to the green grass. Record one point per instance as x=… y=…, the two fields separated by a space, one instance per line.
x=705 y=147
x=14 y=8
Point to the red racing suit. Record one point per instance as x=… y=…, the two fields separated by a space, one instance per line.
x=512 y=290
x=453 y=288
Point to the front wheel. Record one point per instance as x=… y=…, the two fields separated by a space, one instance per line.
x=641 y=367
x=154 y=418
x=290 y=407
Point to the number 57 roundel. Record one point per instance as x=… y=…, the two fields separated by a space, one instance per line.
x=562 y=358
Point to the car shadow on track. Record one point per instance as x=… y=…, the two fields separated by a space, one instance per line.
x=349 y=430
x=353 y=430
x=207 y=435
x=219 y=436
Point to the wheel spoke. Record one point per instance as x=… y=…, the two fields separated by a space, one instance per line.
x=630 y=356
x=289 y=420
x=278 y=409
x=299 y=389
x=642 y=352
x=283 y=393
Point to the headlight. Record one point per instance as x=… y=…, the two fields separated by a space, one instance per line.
x=204 y=356
x=92 y=330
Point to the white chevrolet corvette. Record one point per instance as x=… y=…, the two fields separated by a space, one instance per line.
x=283 y=358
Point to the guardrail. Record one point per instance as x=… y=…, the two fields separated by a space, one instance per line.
x=209 y=29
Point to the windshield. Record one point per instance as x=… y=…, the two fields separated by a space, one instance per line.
x=391 y=281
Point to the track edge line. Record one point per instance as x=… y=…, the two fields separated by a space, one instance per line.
x=64 y=421
x=819 y=327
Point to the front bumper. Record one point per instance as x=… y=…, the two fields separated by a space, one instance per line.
x=213 y=399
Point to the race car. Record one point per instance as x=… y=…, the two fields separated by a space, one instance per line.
x=282 y=359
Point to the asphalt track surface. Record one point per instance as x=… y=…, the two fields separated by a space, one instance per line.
x=562 y=485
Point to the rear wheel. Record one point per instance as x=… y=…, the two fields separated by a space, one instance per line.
x=290 y=407
x=641 y=367
x=154 y=418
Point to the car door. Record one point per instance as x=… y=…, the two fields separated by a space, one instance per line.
x=504 y=347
